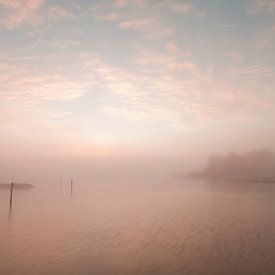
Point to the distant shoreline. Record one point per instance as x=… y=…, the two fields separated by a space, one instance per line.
x=16 y=186
x=232 y=179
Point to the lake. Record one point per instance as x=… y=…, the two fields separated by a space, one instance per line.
x=139 y=227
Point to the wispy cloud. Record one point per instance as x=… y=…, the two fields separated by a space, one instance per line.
x=26 y=92
x=57 y=12
x=256 y=6
x=150 y=27
x=265 y=37
x=229 y=25
x=29 y=12
x=121 y=3
x=162 y=75
x=17 y=12
x=152 y=86
x=235 y=56
x=181 y=7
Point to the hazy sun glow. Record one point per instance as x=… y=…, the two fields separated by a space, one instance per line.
x=94 y=78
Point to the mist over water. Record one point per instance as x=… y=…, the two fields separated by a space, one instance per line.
x=139 y=227
x=147 y=130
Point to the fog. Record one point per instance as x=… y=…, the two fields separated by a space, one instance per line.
x=161 y=163
x=49 y=157
x=85 y=169
x=257 y=163
x=146 y=128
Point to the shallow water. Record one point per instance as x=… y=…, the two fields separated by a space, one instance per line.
x=175 y=227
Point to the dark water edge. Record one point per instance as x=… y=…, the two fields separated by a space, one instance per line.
x=245 y=179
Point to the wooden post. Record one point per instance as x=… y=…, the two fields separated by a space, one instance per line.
x=71 y=186
x=12 y=184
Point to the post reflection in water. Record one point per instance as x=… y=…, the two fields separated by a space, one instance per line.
x=142 y=228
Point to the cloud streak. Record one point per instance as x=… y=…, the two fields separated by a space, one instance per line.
x=16 y=13
x=128 y=64
x=267 y=6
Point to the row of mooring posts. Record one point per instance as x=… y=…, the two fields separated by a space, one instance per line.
x=71 y=185
x=12 y=187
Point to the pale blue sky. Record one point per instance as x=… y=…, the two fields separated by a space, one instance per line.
x=91 y=75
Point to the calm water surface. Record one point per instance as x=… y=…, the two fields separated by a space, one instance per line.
x=171 y=227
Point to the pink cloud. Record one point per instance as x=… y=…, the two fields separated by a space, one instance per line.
x=182 y=8
x=151 y=27
x=111 y=17
x=171 y=47
x=262 y=6
x=124 y=3
x=58 y=11
x=121 y=3
x=29 y=12
x=155 y=85
x=20 y=12
x=138 y=24
x=265 y=38
x=235 y=56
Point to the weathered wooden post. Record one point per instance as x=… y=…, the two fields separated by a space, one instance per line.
x=11 y=193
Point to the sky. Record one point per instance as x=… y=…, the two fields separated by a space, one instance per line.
x=134 y=80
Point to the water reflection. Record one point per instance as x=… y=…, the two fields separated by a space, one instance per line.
x=239 y=186
x=10 y=216
x=142 y=228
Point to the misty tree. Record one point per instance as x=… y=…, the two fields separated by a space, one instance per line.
x=260 y=163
